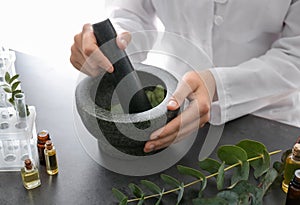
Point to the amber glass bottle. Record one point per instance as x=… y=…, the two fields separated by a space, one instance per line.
x=292 y=163
x=293 y=195
x=43 y=136
x=50 y=157
x=30 y=175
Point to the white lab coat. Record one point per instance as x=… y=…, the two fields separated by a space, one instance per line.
x=254 y=46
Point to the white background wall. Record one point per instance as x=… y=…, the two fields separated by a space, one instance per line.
x=46 y=28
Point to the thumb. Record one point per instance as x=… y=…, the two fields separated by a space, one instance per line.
x=123 y=39
x=182 y=91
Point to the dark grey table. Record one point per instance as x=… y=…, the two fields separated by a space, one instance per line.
x=81 y=180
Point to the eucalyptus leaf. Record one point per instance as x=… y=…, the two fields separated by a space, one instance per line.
x=268 y=179
x=124 y=201
x=151 y=186
x=7 y=89
x=7 y=77
x=279 y=167
x=13 y=78
x=141 y=201
x=248 y=191
x=160 y=197
x=240 y=173
x=220 y=176
x=118 y=194
x=231 y=197
x=180 y=193
x=14 y=92
x=210 y=201
x=15 y=85
x=210 y=165
x=136 y=190
x=194 y=173
x=255 y=149
x=170 y=180
x=232 y=154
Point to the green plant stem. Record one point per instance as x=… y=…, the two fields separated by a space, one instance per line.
x=199 y=180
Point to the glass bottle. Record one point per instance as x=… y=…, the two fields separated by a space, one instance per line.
x=293 y=194
x=30 y=175
x=21 y=110
x=291 y=164
x=50 y=156
x=42 y=136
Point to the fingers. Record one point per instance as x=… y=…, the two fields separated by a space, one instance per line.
x=161 y=142
x=123 y=40
x=86 y=55
x=193 y=117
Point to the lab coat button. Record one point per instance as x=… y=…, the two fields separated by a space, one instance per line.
x=221 y=1
x=218 y=20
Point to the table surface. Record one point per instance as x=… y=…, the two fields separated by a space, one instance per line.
x=81 y=180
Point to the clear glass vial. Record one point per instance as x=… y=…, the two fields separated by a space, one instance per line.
x=50 y=158
x=30 y=175
x=291 y=164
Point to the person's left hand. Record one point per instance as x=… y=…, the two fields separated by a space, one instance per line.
x=199 y=89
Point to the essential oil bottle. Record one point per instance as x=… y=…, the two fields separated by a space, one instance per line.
x=293 y=194
x=30 y=175
x=291 y=164
x=50 y=158
x=42 y=136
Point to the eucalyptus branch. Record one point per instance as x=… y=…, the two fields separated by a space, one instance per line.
x=200 y=180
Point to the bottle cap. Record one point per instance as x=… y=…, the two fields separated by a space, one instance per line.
x=296 y=179
x=49 y=144
x=43 y=136
x=28 y=163
x=296 y=150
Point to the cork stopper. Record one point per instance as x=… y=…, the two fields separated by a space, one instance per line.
x=49 y=145
x=296 y=150
x=28 y=163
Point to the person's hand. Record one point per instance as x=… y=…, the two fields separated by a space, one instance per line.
x=199 y=88
x=86 y=55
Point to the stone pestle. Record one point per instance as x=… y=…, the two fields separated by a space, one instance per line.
x=106 y=39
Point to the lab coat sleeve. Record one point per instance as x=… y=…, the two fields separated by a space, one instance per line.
x=261 y=81
x=137 y=17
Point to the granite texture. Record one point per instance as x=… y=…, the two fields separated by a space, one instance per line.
x=127 y=133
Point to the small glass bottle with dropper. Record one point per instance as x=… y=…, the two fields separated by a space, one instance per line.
x=30 y=175
x=291 y=164
x=50 y=158
x=293 y=194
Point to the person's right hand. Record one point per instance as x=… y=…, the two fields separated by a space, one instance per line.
x=86 y=55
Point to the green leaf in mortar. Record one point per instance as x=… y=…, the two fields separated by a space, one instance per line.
x=255 y=149
x=232 y=154
x=210 y=165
